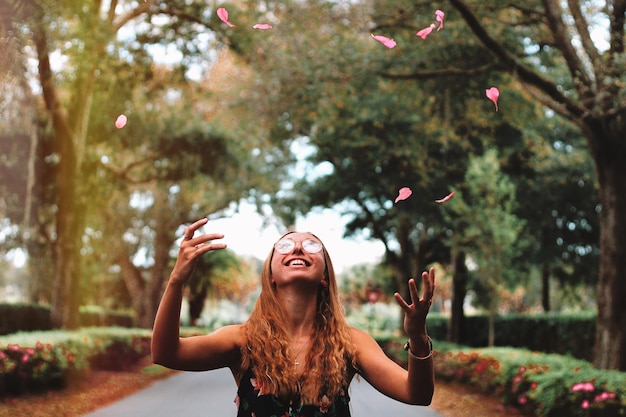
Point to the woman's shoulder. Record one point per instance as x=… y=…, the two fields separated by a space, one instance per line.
x=359 y=335
x=234 y=333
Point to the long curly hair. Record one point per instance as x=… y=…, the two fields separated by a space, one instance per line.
x=331 y=355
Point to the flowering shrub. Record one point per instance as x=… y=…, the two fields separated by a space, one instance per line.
x=545 y=385
x=38 y=361
x=468 y=367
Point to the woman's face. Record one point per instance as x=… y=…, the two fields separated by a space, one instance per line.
x=297 y=257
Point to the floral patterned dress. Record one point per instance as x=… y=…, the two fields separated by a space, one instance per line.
x=252 y=402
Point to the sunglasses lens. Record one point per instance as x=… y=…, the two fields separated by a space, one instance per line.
x=284 y=246
x=311 y=246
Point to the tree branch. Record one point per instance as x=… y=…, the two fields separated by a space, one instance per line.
x=582 y=27
x=146 y=7
x=446 y=72
x=563 y=41
x=514 y=65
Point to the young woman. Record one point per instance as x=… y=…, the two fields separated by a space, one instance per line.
x=296 y=354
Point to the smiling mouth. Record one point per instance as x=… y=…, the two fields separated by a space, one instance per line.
x=298 y=262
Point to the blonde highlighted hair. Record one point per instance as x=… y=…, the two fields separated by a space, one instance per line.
x=331 y=356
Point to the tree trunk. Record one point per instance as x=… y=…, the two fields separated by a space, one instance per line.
x=545 y=287
x=456 y=331
x=608 y=146
x=65 y=295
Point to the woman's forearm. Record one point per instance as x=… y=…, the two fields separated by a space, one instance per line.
x=166 y=329
x=421 y=370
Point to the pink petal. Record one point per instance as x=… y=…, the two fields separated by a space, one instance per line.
x=439 y=15
x=222 y=13
x=262 y=26
x=403 y=194
x=120 y=122
x=446 y=198
x=492 y=94
x=388 y=42
x=425 y=32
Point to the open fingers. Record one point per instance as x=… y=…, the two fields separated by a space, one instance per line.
x=191 y=229
x=428 y=278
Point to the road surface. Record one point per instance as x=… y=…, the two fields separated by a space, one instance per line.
x=209 y=394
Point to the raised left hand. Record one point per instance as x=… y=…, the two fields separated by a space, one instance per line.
x=416 y=312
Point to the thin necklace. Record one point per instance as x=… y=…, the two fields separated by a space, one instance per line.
x=299 y=352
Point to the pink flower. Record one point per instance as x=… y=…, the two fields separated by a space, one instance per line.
x=325 y=405
x=604 y=396
x=403 y=194
x=521 y=369
x=121 y=120
x=439 y=15
x=585 y=404
x=492 y=94
x=222 y=13
x=425 y=32
x=262 y=26
x=522 y=400
x=388 y=42
x=446 y=198
x=583 y=386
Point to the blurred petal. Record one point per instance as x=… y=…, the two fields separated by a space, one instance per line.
x=446 y=198
x=121 y=120
x=492 y=94
x=403 y=194
x=388 y=42
x=222 y=13
x=439 y=15
x=262 y=26
x=425 y=32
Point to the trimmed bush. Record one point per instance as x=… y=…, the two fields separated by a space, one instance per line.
x=23 y=317
x=36 y=361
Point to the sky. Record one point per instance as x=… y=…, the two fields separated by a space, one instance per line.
x=246 y=234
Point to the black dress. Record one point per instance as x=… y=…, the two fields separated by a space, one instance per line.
x=252 y=402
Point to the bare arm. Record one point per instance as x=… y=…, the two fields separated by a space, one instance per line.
x=216 y=350
x=415 y=385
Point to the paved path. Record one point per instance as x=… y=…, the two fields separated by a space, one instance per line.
x=211 y=394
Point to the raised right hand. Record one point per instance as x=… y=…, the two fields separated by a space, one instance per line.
x=191 y=248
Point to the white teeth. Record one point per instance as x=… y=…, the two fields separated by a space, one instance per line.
x=296 y=262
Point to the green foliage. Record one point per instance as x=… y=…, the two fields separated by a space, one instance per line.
x=23 y=317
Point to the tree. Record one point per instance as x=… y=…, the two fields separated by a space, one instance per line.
x=487 y=229
x=89 y=39
x=593 y=97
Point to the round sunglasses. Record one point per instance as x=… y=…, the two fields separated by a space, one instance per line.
x=286 y=245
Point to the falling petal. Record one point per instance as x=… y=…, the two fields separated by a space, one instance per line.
x=439 y=15
x=425 y=32
x=388 y=42
x=262 y=26
x=492 y=94
x=222 y=13
x=403 y=194
x=120 y=122
x=446 y=198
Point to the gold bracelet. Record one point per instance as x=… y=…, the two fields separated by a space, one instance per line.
x=407 y=347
